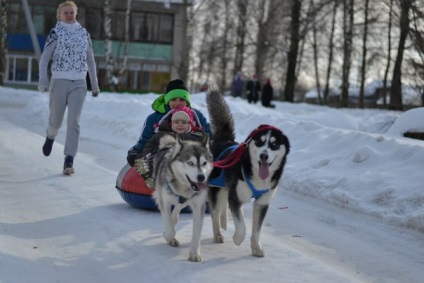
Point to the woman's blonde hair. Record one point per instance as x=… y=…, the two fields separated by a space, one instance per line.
x=66 y=3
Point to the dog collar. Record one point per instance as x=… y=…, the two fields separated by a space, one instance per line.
x=181 y=199
x=255 y=192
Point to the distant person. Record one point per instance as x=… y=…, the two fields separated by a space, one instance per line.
x=176 y=95
x=204 y=86
x=115 y=81
x=237 y=85
x=69 y=47
x=253 y=89
x=267 y=94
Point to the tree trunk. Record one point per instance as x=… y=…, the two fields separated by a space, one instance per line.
x=224 y=61
x=123 y=70
x=347 y=50
x=396 y=89
x=330 y=56
x=183 y=69
x=241 y=36
x=108 y=51
x=294 y=46
x=389 y=54
x=364 y=56
x=315 y=50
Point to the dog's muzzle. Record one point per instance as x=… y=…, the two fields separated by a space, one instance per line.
x=200 y=184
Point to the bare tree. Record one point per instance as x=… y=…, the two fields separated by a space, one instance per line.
x=348 y=17
x=240 y=36
x=315 y=50
x=108 y=38
x=396 y=89
x=293 y=52
x=183 y=67
x=3 y=40
x=416 y=63
x=224 y=51
x=389 y=53
x=364 y=55
x=127 y=37
x=330 y=53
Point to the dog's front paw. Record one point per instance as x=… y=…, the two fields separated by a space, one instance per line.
x=195 y=258
x=258 y=252
x=238 y=238
x=219 y=239
x=174 y=243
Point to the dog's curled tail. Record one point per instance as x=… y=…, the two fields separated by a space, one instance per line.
x=221 y=120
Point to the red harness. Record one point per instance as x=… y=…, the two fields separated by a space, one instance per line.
x=236 y=154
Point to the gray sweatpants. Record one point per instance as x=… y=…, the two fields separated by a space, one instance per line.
x=71 y=94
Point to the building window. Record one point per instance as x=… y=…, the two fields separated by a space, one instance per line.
x=94 y=23
x=44 y=19
x=150 y=27
x=118 y=28
x=166 y=28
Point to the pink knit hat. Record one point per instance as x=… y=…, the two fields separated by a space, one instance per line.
x=184 y=113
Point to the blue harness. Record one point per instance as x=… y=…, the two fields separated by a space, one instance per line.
x=220 y=180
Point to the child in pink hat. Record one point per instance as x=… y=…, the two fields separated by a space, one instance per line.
x=180 y=121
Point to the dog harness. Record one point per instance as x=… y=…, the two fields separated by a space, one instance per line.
x=255 y=192
x=220 y=180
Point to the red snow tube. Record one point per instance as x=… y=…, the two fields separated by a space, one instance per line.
x=135 y=192
x=133 y=189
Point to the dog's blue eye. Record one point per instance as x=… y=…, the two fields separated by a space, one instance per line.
x=190 y=163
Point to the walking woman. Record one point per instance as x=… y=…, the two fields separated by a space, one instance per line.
x=69 y=47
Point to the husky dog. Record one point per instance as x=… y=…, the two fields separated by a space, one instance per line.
x=181 y=169
x=242 y=171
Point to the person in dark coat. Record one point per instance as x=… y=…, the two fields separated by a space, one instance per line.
x=267 y=94
x=237 y=85
x=253 y=89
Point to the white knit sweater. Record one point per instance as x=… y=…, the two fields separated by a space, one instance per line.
x=69 y=47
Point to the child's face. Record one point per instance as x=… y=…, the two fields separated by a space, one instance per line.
x=67 y=14
x=177 y=102
x=180 y=126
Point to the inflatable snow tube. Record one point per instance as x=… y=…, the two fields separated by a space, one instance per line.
x=135 y=192
x=133 y=189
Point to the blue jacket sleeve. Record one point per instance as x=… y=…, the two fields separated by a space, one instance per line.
x=204 y=122
x=147 y=132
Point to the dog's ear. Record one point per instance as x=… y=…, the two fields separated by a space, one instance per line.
x=166 y=140
x=179 y=141
x=206 y=140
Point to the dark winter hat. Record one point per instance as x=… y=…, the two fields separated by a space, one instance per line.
x=175 y=89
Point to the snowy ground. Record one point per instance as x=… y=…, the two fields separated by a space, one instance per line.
x=350 y=207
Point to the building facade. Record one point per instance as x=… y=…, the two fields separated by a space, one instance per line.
x=155 y=50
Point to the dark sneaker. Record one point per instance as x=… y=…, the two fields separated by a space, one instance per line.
x=47 y=147
x=67 y=166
